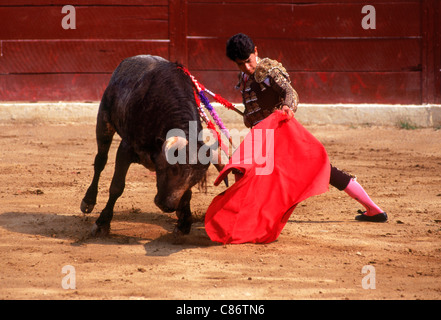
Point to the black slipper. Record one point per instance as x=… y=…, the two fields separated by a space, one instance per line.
x=381 y=217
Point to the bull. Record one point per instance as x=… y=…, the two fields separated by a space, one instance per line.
x=147 y=96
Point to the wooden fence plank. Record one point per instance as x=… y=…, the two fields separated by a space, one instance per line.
x=317 y=55
x=313 y=87
x=15 y=3
x=53 y=87
x=291 y=2
x=105 y=22
x=70 y=56
x=332 y=87
x=300 y=21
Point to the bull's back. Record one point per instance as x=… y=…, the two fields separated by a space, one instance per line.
x=131 y=69
x=130 y=82
x=129 y=98
x=144 y=96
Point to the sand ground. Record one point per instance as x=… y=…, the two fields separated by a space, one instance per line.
x=45 y=168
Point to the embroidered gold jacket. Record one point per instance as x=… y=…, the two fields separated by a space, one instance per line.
x=268 y=89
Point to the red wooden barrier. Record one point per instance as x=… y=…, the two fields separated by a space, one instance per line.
x=331 y=58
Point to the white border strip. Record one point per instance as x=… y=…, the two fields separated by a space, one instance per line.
x=346 y=114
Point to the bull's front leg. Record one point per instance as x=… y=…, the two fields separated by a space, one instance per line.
x=124 y=157
x=183 y=226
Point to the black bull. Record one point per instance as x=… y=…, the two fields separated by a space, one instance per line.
x=147 y=97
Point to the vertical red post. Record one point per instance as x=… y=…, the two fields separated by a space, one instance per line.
x=178 y=31
x=437 y=50
x=431 y=52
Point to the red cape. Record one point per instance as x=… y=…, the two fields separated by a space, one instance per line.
x=282 y=165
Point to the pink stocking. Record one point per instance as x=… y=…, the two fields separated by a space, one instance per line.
x=356 y=191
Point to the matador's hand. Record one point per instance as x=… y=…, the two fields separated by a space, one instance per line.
x=288 y=111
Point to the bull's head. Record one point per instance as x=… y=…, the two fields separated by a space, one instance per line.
x=173 y=178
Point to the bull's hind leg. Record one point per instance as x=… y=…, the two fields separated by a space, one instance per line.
x=125 y=156
x=104 y=136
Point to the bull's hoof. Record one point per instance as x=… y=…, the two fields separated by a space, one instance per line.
x=100 y=231
x=85 y=207
x=178 y=236
x=179 y=233
x=182 y=229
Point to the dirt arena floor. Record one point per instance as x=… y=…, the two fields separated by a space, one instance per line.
x=45 y=169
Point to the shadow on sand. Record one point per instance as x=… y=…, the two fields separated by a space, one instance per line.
x=152 y=230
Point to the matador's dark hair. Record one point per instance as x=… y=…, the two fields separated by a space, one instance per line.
x=239 y=46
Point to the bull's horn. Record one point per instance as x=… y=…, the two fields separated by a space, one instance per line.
x=175 y=142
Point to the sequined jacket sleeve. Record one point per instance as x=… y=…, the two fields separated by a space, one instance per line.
x=281 y=84
x=279 y=81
